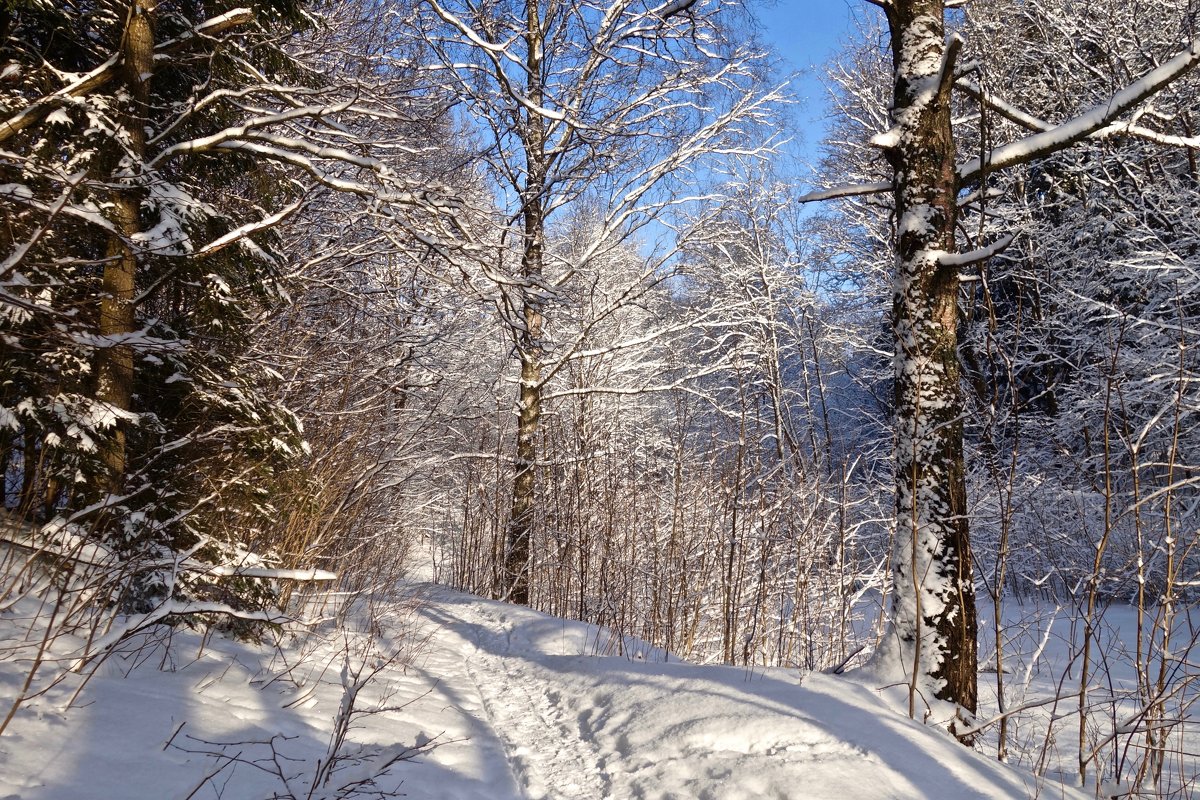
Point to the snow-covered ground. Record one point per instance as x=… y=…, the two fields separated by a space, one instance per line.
x=498 y=701
x=1042 y=668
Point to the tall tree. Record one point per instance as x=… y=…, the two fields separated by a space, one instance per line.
x=574 y=98
x=114 y=364
x=933 y=618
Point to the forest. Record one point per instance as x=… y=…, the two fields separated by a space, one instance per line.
x=305 y=303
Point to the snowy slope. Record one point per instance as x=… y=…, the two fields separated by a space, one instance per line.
x=517 y=705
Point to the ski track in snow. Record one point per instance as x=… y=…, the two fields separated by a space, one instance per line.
x=545 y=751
x=575 y=724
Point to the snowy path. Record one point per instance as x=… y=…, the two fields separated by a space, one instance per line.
x=542 y=741
x=519 y=706
x=577 y=725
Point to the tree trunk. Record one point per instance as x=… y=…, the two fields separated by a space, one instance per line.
x=933 y=628
x=528 y=338
x=520 y=526
x=114 y=362
x=933 y=610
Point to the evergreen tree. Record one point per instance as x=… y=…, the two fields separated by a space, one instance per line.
x=150 y=154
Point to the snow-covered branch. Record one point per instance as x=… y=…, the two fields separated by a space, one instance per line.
x=104 y=73
x=1096 y=119
x=846 y=190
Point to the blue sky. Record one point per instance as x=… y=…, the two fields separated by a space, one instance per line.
x=806 y=33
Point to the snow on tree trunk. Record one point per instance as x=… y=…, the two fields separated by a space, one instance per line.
x=933 y=634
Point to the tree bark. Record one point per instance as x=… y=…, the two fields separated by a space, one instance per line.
x=114 y=362
x=934 y=621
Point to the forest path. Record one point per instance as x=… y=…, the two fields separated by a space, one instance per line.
x=548 y=753
x=513 y=705
x=567 y=722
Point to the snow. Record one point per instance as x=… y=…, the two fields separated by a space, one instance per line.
x=16 y=191
x=306 y=575
x=887 y=140
x=59 y=116
x=499 y=701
